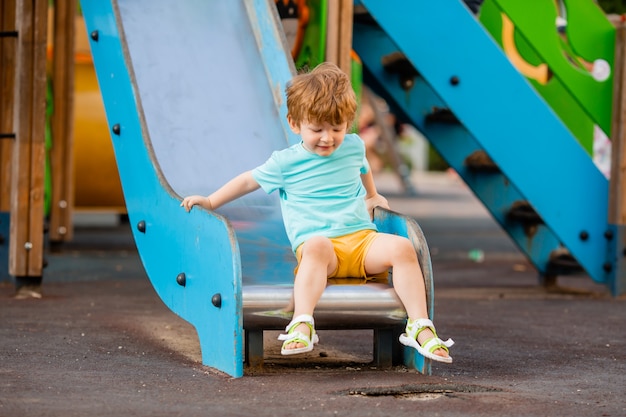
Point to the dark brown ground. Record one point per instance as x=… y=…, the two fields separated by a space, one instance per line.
x=101 y=343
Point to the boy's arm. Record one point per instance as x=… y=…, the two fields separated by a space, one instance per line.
x=232 y=190
x=372 y=198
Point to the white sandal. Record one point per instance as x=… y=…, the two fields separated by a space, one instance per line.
x=294 y=336
x=413 y=329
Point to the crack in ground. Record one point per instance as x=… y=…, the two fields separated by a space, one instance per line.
x=418 y=392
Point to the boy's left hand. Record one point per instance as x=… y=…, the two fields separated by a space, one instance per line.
x=376 y=200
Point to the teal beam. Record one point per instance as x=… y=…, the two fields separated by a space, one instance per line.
x=5 y=218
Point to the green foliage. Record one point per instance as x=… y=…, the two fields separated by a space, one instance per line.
x=613 y=6
x=435 y=161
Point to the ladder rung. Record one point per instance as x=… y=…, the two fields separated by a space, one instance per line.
x=442 y=116
x=562 y=262
x=479 y=161
x=522 y=211
x=397 y=63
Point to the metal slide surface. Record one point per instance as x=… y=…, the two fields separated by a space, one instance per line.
x=208 y=116
x=192 y=101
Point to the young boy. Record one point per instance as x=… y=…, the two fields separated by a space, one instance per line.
x=327 y=196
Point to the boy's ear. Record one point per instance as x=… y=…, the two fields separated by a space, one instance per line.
x=295 y=127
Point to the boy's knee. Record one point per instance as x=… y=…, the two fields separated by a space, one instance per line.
x=318 y=245
x=404 y=248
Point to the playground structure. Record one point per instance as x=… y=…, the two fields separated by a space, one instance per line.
x=23 y=153
x=250 y=247
x=207 y=268
x=492 y=110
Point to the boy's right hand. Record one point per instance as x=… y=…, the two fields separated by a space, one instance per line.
x=376 y=200
x=192 y=200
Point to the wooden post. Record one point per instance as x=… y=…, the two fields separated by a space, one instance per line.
x=617 y=185
x=617 y=196
x=332 y=32
x=28 y=162
x=61 y=228
x=8 y=43
x=339 y=34
x=346 y=16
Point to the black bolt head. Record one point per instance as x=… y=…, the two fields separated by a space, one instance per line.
x=216 y=300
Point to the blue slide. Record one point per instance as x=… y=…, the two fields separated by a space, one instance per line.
x=194 y=95
x=191 y=102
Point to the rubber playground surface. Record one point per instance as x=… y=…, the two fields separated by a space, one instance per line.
x=101 y=343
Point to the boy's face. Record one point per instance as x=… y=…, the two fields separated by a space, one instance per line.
x=320 y=138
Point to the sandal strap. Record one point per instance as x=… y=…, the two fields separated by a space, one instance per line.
x=295 y=337
x=435 y=343
x=420 y=325
x=416 y=327
x=302 y=318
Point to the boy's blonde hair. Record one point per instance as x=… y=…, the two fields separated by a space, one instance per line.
x=322 y=95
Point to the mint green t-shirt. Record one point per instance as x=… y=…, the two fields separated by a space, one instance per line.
x=319 y=195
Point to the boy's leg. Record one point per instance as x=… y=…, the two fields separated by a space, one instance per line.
x=391 y=251
x=317 y=262
x=396 y=252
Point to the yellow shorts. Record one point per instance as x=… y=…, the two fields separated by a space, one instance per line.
x=351 y=251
